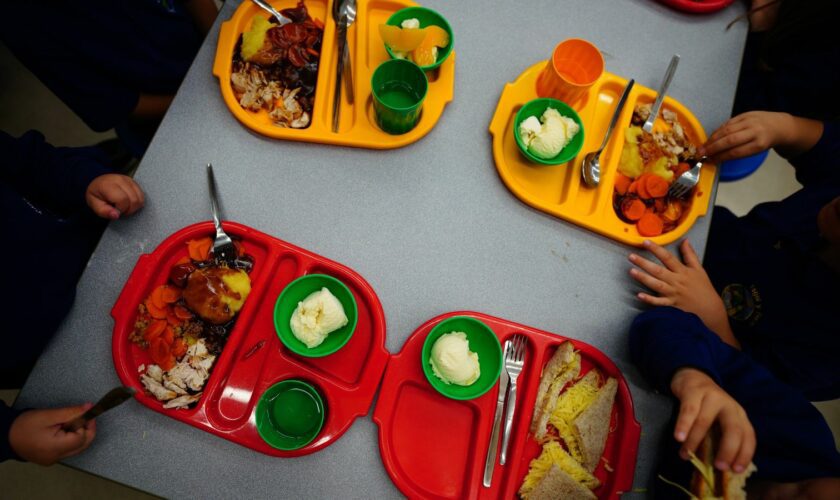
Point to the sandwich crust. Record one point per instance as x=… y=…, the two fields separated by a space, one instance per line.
x=592 y=426
x=563 y=367
x=557 y=484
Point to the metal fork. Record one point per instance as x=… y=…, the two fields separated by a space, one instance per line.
x=514 y=361
x=223 y=247
x=686 y=182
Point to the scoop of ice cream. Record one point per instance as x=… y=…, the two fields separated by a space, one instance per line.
x=452 y=361
x=410 y=23
x=554 y=133
x=316 y=316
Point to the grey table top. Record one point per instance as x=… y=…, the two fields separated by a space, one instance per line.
x=430 y=226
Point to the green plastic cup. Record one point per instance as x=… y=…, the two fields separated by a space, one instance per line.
x=399 y=88
x=290 y=414
x=482 y=341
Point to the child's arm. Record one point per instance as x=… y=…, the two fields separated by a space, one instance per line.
x=676 y=353
x=685 y=286
x=36 y=435
x=755 y=131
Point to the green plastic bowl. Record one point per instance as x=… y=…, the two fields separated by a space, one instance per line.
x=536 y=108
x=482 y=341
x=290 y=414
x=427 y=17
x=298 y=290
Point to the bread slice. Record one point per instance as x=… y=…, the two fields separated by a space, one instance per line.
x=563 y=367
x=554 y=455
x=709 y=482
x=557 y=484
x=592 y=426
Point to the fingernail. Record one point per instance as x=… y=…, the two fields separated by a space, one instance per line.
x=681 y=436
x=646 y=243
x=721 y=465
x=633 y=257
x=633 y=271
x=739 y=468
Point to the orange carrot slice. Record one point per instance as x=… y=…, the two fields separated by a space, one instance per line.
x=179 y=347
x=204 y=248
x=633 y=209
x=155 y=311
x=157 y=297
x=172 y=319
x=168 y=335
x=183 y=260
x=182 y=312
x=656 y=186
x=168 y=363
x=170 y=294
x=650 y=225
x=159 y=351
x=633 y=188
x=642 y=187
x=154 y=330
x=622 y=183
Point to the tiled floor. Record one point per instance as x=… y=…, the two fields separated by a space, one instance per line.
x=26 y=104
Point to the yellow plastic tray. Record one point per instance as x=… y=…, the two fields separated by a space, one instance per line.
x=357 y=127
x=559 y=189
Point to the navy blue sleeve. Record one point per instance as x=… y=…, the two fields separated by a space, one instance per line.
x=7 y=416
x=822 y=162
x=665 y=339
x=793 y=440
x=38 y=170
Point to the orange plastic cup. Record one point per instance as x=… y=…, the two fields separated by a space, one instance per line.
x=574 y=67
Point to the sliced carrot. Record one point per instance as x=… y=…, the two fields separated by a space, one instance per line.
x=204 y=248
x=673 y=211
x=182 y=312
x=642 y=188
x=168 y=363
x=633 y=210
x=318 y=23
x=183 y=260
x=622 y=183
x=157 y=297
x=192 y=249
x=170 y=294
x=171 y=318
x=159 y=351
x=650 y=225
x=633 y=188
x=168 y=335
x=154 y=330
x=656 y=186
x=155 y=311
x=179 y=347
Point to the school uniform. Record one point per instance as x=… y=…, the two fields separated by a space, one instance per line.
x=98 y=56
x=783 y=301
x=794 y=442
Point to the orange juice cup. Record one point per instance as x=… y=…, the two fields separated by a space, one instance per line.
x=574 y=66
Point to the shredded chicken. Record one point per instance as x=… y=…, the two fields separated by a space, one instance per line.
x=255 y=92
x=178 y=384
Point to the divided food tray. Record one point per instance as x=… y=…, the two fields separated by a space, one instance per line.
x=254 y=358
x=358 y=126
x=559 y=190
x=435 y=447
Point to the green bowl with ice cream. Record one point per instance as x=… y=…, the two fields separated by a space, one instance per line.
x=450 y=363
x=324 y=322
x=542 y=146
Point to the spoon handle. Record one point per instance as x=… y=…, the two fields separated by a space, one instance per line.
x=617 y=112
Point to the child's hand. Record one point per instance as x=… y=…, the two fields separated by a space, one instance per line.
x=36 y=435
x=684 y=286
x=112 y=195
x=747 y=134
x=702 y=403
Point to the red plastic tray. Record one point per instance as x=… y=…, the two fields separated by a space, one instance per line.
x=698 y=6
x=435 y=447
x=347 y=379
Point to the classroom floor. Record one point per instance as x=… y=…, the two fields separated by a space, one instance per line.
x=26 y=104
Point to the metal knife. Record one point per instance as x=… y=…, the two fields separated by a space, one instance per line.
x=654 y=111
x=342 y=41
x=115 y=397
x=497 y=425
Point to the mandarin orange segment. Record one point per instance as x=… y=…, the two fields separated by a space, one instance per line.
x=435 y=35
x=424 y=55
x=401 y=39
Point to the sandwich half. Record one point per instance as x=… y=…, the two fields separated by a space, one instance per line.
x=557 y=484
x=592 y=426
x=562 y=368
x=709 y=483
x=553 y=455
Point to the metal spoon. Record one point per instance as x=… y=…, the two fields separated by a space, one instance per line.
x=281 y=19
x=654 y=111
x=346 y=8
x=590 y=169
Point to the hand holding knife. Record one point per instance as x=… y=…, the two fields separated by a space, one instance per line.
x=115 y=397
